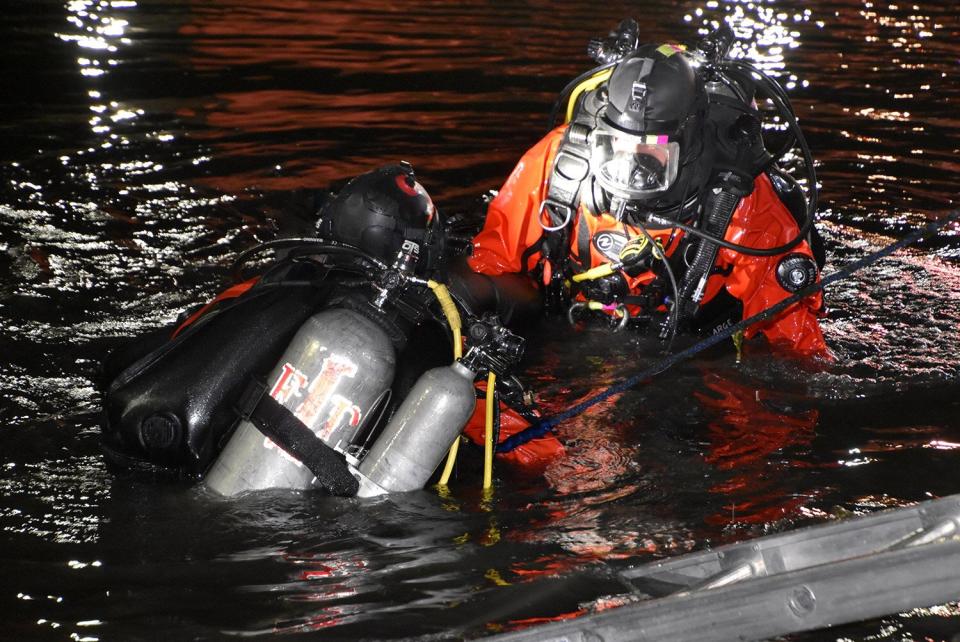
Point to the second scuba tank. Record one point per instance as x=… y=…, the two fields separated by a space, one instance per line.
x=435 y=411
x=420 y=433
x=331 y=376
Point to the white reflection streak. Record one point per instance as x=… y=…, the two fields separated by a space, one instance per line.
x=939 y=444
x=98 y=32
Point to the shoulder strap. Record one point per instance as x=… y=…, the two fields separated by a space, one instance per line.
x=571 y=167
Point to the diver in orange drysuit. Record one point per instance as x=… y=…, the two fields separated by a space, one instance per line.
x=657 y=203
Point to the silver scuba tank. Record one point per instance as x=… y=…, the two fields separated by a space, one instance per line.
x=421 y=431
x=331 y=376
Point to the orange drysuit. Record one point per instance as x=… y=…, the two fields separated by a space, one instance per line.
x=761 y=220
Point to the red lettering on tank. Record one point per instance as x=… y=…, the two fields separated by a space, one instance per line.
x=341 y=407
x=288 y=384
x=334 y=368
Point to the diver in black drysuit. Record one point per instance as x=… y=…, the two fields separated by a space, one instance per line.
x=173 y=396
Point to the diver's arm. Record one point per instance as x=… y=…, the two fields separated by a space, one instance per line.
x=514 y=297
x=764 y=221
x=512 y=223
x=494 y=278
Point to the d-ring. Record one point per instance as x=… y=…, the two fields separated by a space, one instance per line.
x=566 y=221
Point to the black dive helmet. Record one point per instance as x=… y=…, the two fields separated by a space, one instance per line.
x=648 y=137
x=381 y=213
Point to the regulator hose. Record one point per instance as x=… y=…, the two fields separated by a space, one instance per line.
x=450 y=312
x=321 y=246
x=590 y=83
x=782 y=101
x=571 y=86
x=453 y=319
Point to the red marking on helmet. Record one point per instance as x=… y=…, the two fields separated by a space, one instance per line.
x=408 y=189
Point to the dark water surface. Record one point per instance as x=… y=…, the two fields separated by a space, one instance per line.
x=145 y=142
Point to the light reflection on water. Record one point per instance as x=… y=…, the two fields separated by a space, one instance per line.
x=174 y=145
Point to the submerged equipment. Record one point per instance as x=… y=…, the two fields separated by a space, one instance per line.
x=360 y=401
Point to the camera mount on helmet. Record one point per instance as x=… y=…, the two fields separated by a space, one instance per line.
x=618 y=44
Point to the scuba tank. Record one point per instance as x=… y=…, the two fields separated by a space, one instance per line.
x=354 y=361
x=334 y=375
x=418 y=437
x=330 y=388
x=331 y=377
x=435 y=412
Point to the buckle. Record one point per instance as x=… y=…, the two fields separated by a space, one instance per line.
x=571 y=167
x=249 y=399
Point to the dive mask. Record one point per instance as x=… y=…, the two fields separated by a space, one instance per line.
x=633 y=166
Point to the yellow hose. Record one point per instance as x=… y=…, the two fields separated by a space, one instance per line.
x=450 y=311
x=451 y=460
x=488 y=433
x=586 y=85
x=605 y=269
x=453 y=319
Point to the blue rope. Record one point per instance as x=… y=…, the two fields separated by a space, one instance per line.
x=547 y=424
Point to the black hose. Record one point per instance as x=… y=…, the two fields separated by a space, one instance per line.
x=811 y=202
x=673 y=315
x=321 y=246
x=775 y=92
x=779 y=96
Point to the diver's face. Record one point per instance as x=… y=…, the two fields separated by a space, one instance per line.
x=629 y=145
